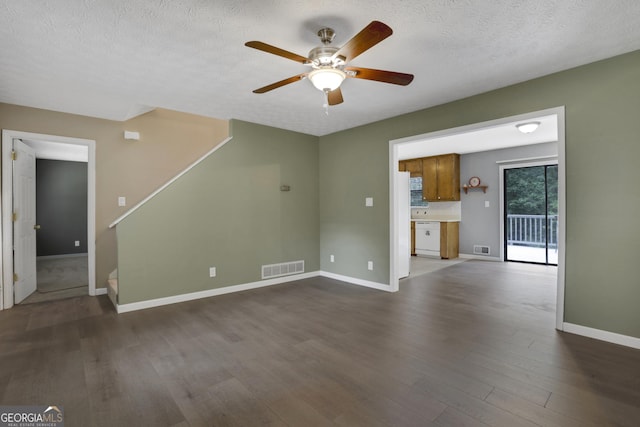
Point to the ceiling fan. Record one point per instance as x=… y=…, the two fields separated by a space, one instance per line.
x=329 y=64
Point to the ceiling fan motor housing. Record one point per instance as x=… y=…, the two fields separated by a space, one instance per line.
x=323 y=56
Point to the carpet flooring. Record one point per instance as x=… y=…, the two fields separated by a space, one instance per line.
x=56 y=274
x=60 y=278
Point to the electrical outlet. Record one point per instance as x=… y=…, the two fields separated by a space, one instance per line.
x=122 y=201
x=77 y=243
x=368 y=201
x=370 y=265
x=332 y=258
x=486 y=204
x=212 y=272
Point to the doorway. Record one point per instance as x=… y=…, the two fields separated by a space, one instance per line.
x=65 y=147
x=441 y=142
x=61 y=217
x=531 y=213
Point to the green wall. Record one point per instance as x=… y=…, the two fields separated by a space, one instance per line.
x=353 y=166
x=602 y=104
x=227 y=212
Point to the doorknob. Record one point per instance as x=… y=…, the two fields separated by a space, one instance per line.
x=36 y=227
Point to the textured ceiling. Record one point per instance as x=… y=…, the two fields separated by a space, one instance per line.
x=115 y=59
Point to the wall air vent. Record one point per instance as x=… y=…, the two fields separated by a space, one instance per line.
x=481 y=250
x=282 y=269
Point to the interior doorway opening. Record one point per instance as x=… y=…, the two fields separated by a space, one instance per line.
x=65 y=148
x=441 y=142
x=61 y=239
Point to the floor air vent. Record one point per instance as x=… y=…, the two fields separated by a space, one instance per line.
x=480 y=250
x=282 y=269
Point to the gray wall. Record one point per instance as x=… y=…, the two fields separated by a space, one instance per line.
x=601 y=100
x=61 y=207
x=228 y=212
x=480 y=225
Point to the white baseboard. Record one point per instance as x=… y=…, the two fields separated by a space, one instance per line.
x=355 y=281
x=101 y=291
x=601 y=335
x=482 y=257
x=141 y=305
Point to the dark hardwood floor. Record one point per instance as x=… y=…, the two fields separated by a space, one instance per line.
x=469 y=345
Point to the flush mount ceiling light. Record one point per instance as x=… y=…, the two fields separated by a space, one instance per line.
x=327 y=79
x=528 y=127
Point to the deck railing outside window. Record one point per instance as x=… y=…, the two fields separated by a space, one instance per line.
x=530 y=230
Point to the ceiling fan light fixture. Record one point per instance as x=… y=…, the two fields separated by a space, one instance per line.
x=528 y=127
x=327 y=79
x=328 y=62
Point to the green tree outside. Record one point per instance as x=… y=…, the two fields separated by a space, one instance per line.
x=526 y=190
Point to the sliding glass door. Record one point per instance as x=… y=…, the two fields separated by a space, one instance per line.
x=531 y=214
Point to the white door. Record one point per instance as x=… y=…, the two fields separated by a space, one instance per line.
x=24 y=225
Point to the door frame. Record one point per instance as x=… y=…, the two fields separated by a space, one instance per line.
x=525 y=164
x=6 y=249
x=559 y=112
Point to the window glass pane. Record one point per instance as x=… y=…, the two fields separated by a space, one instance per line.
x=531 y=207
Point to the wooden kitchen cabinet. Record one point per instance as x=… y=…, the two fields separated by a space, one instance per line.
x=449 y=239
x=430 y=178
x=413 y=166
x=441 y=178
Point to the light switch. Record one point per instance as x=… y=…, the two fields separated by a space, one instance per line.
x=212 y=272
x=368 y=201
x=486 y=203
x=122 y=201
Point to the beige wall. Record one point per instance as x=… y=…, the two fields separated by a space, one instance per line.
x=169 y=141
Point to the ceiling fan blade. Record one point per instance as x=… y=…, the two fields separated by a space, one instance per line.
x=335 y=97
x=277 y=51
x=370 y=36
x=380 y=75
x=281 y=83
